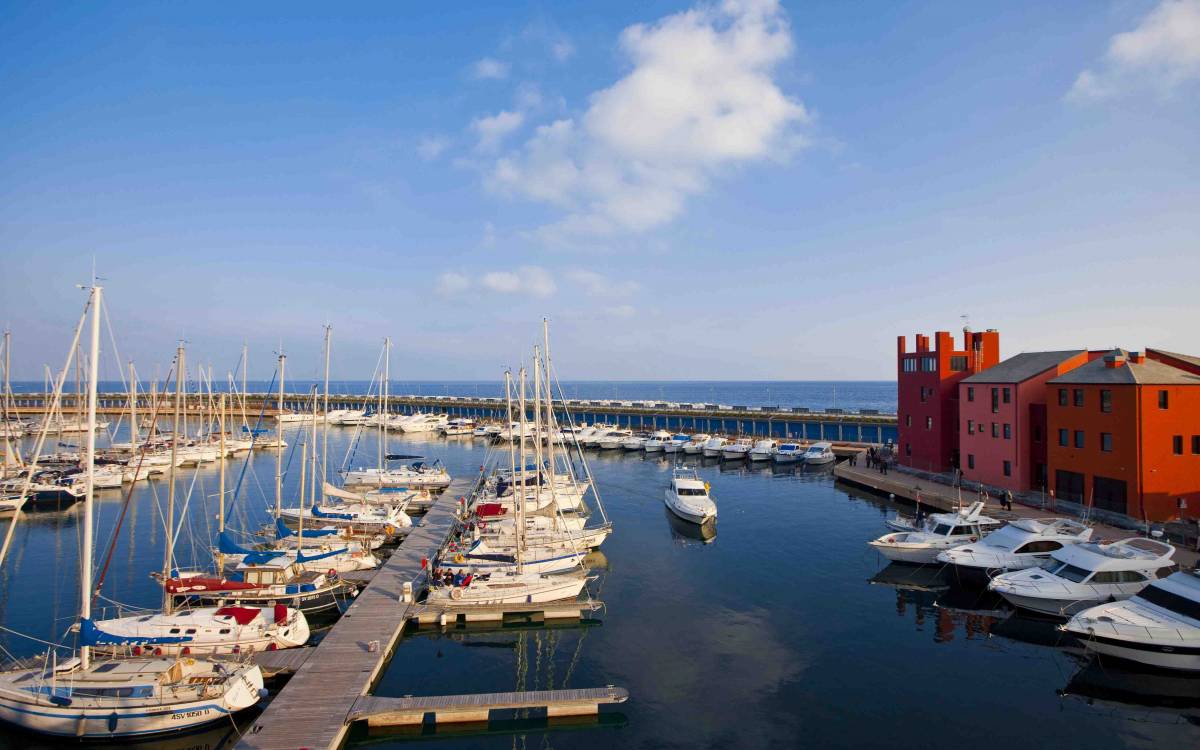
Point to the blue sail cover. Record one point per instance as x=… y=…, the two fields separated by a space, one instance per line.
x=283 y=532
x=90 y=635
x=303 y=558
x=228 y=546
x=341 y=516
x=259 y=558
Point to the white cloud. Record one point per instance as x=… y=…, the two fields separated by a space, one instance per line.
x=495 y=128
x=700 y=97
x=562 y=50
x=490 y=69
x=1161 y=53
x=598 y=285
x=451 y=283
x=533 y=280
x=431 y=147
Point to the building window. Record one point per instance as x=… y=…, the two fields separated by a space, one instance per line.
x=1163 y=401
x=929 y=364
x=1177 y=445
x=1007 y=431
x=970 y=426
x=1106 y=442
x=1062 y=437
x=1008 y=468
x=958 y=364
x=1068 y=485
x=1037 y=433
x=995 y=430
x=907 y=449
x=1078 y=438
x=970 y=460
x=1105 y=400
x=1008 y=395
x=995 y=400
x=924 y=397
x=1062 y=396
x=910 y=364
x=929 y=423
x=970 y=393
x=1196 y=445
x=908 y=420
x=1078 y=397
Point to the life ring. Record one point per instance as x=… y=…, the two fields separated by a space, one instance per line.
x=459 y=558
x=456 y=593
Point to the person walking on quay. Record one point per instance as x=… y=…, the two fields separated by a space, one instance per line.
x=1006 y=500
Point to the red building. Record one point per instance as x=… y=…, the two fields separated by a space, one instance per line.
x=1125 y=435
x=1002 y=419
x=927 y=394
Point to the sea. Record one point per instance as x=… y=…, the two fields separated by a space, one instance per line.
x=777 y=627
x=849 y=395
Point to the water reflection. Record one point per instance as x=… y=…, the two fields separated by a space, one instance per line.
x=686 y=532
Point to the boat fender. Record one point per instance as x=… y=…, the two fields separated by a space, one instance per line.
x=459 y=558
x=331 y=573
x=456 y=594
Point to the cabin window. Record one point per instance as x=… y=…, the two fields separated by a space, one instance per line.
x=1177 y=445
x=942 y=529
x=224 y=631
x=1171 y=601
x=174 y=631
x=1071 y=573
x=1105 y=400
x=1107 y=576
x=962 y=531
x=690 y=491
x=1130 y=576
x=190 y=631
x=1038 y=547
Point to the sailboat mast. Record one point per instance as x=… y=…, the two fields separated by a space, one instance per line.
x=521 y=499
x=245 y=419
x=279 y=441
x=325 y=418
x=168 y=600
x=551 y=432
x=512 y=457
x=383 y=400
x=135 y=433
x=537 y=425
x=221 y=482
x=85 y=553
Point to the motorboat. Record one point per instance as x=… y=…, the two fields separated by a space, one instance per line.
x=591 y=437
x=695 y=445
x=656 y=441
x=687 y=497
x=763 y=450
x=458 y=427
x=613 y=439
x=341 y=417
x=1159 y=626
x=943 y=531
x=425 y=423
x=713 y=447
x=503 y=588
x=201 y=631
x=1024 y=543
x=676 y=443
x=294 y=417
x=737 y=450
x=1081 y=576
x=819 y=453
x=635 y=442
x=789 y=453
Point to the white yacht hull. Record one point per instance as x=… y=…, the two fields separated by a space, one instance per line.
x=549 y=589
x=1152 y=655
x=760 y=456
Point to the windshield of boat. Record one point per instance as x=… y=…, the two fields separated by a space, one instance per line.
x=689 y=491
x=1170 y=601
x=1070 y=572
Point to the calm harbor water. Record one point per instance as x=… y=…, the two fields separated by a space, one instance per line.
x=812 y=394
x=783 y=629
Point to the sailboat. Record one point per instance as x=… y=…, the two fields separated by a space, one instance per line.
x=91 y=699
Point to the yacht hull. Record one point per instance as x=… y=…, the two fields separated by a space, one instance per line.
x=1184 y=658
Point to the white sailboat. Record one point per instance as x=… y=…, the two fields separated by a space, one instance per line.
x=89 y=699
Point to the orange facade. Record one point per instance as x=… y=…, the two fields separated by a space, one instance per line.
x=1124 y=435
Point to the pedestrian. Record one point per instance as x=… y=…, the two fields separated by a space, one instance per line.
x=884 y=464
x=1008 y=497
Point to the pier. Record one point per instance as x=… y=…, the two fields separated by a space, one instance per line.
x=444 y=709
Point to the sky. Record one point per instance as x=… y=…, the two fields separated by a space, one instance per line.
x=736 y=190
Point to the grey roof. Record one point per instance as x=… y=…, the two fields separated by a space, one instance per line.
x=1149 y=372
x=1176 y=355
x=1022 y=367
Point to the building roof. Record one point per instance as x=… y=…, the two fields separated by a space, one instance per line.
x=1022 y=367
x=1146 y=372
x=1176 y=355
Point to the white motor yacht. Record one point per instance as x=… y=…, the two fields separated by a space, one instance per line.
x=789 y=453
x=713 y=447
x=1159 y=626
x=695 y=445
x=458 y=427
x=425 y=423
x=737 y=450
x=612 y=439
x=676 y=443
x=941 y=532
x=819 y=453
x=1080 y=576
x=687 y=497
x=656 y=442
x=635 y=442
x=763 y=450
x=1024 y=543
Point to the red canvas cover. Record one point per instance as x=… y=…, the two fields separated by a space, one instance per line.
x=242 y=615
x=184 y=585
x=490 y=509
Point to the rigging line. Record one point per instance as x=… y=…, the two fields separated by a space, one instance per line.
x=237 y=489
x=128 y=497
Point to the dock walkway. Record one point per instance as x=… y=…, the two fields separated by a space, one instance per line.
x=314 y=709
x=945 y=498
x=383 y=712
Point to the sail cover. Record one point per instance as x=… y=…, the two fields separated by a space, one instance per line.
x=283 y=532
x=332 y=491
x=90 y=635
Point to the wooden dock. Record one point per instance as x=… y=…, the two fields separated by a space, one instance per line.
x=407 y=711
x=453 y=614
x=313 y=709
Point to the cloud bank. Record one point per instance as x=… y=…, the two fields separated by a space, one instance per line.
x=1160 y=54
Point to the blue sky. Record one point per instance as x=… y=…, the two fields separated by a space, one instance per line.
x=695 y=191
